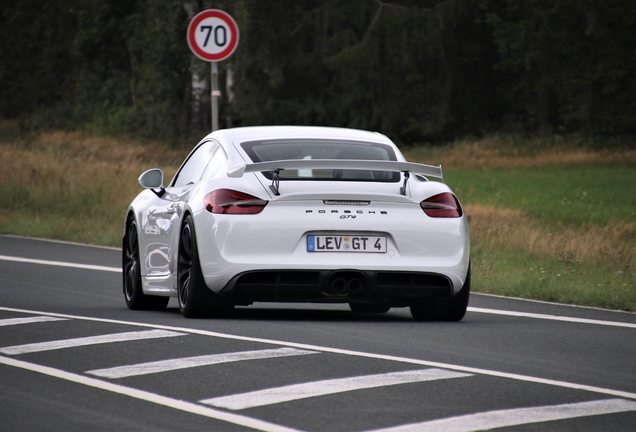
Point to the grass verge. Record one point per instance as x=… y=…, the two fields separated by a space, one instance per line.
x=519 y=255
x=70 y=186
x=551 y=219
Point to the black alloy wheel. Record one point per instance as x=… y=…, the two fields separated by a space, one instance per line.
x=184 y=268
x=443 y=309
x=131 y=269
x=195 y=298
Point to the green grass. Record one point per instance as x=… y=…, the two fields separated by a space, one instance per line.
x=72 y=186
x=88 y=212
x=556 y=198
x=526 y=275
x=551 y=218
x=597 y=194
x=105 y=230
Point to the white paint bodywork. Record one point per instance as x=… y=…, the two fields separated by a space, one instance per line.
x=275 y=239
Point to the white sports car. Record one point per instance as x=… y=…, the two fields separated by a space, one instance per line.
x=297 y=214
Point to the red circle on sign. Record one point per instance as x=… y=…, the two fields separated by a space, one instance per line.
x=234 y=35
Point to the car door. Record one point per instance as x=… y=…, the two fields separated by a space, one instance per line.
x=163 y=218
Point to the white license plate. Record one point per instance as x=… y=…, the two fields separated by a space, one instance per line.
x=346 y=243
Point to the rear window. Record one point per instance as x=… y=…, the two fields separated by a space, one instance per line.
x=265 y=151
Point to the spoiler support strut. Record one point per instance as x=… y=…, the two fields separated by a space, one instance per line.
x=406 y=179
x=275 y=182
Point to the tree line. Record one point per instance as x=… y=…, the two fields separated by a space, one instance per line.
x=415 y=70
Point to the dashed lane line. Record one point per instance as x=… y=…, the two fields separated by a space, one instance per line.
x=149 y=397
x=470 y=309
x=552 y=317
x=517 y=416
x=91 y=340
x=327 y=387
x=407 y=360
x=190 y=362
x=59 y=264
x=29 y=320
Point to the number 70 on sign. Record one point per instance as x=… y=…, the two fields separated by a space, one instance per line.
x=220 y=35
x=213 y=35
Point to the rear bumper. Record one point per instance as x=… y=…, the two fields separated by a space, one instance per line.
x=235 y=250
x=336 y=286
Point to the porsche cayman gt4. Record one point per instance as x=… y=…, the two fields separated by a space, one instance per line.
x=297 y=214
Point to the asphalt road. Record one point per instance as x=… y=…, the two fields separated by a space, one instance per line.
x=73 y=357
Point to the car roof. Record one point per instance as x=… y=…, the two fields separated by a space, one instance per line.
x=253 y=133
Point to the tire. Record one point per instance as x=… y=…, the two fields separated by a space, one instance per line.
x=131 y=270
x=369 y=308
x=444 y=309
x=195 y=298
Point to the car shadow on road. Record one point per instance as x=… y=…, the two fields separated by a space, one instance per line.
x=317 y=314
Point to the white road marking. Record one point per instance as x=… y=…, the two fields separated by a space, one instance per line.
x=91 y=340
x=190 y=362
x=517 y=416
x=552 y=317
x=467 y=369
x=327 y=387
x=83 y=245
x=149 y=397
x=470 y=309
x=29 y=320
x=60 y=264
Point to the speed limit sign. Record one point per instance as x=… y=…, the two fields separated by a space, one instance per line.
x=213 y=35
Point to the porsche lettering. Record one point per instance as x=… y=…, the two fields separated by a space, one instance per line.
x=372 y=212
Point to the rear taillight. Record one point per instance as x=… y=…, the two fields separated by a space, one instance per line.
x=227 y=201
x=444 y=205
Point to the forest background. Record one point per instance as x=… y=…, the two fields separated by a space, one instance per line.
x=419 y=71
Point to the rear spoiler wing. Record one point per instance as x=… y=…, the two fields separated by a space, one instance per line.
x=375 y=165
x=239 y=169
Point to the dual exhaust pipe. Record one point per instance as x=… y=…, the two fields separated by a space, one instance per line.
x=344 y=284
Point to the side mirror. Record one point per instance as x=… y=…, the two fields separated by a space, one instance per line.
x=153 y=179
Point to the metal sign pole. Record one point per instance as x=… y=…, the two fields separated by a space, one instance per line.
x=213 y=36
x=215 y=93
